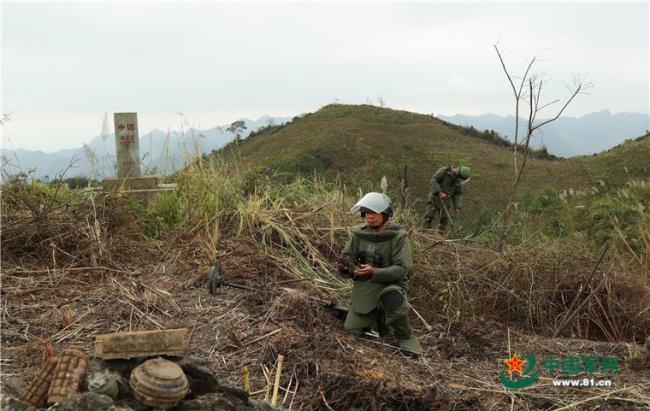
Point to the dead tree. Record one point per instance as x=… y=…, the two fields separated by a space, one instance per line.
x=529 y=91
x=518 y=93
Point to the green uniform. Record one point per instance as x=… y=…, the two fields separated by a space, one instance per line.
x=443 y=181
x=381 y=300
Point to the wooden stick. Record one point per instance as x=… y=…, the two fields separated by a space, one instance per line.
x=287 y=391
x=569 y=313
x=268 y=383
x=295 y=390
x=261 y=338
x=322 y=396
x=332 y=238
x=247 y=380
x=278 y=372
x=426 y=324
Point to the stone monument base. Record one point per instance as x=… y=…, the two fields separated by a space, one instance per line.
x=142 y=189
x=130 y=183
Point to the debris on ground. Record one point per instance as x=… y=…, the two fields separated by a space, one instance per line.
x=69 y=375
x=159 y=383
x=142 y=344
x=65 y=281
x=36 y=395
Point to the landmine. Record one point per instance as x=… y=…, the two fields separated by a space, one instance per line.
x=159 y=383
x=36 y=395
x=69 y=375
x=142 y=344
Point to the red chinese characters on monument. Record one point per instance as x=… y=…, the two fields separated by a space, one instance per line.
x=127 y=138
x=126 y=133
x=128 y=163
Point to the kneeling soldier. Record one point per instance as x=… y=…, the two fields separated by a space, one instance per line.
x=383 y=259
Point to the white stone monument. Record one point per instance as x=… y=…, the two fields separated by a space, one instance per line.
x=127 y=148
x=127 y=144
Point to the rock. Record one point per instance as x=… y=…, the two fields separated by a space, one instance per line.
x=225 y=400
x=104 y=382
x=234 y=392
x=15 y=386
x=213 y=402
x=8 y=403
x=262 y=405
x=87 y=401
x=201 y=377
x=119 y=368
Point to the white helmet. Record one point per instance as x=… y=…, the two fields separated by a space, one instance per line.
x=377 y=202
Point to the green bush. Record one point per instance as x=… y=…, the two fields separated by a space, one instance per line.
x=168 y=209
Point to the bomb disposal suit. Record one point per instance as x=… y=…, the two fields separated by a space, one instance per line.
x=379 y=300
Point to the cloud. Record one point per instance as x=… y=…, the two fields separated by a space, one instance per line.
x=78 y=60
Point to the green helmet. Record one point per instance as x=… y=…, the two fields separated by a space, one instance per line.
x=464 y=172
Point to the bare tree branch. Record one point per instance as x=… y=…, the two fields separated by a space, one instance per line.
x=518 y=96
x=532 y=95
x=579 y=87
x=505 y=70
x=548 y=104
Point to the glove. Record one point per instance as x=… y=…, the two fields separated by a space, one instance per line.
x=345 y=266
x=363 y=272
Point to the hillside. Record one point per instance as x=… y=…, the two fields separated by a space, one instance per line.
x=363 y=143
x=630 y=159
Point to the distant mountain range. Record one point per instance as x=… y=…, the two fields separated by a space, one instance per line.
x=165 y=152
x=162 y=152
x=567 y=136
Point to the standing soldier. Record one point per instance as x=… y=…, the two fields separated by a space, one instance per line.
x=446 y=188
x=382 y=260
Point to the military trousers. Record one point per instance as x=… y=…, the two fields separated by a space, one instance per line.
x=436 y=212
x=390 y=316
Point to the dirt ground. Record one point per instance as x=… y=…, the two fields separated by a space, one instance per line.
x=45 y=308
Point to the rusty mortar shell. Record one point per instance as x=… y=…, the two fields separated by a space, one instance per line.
x=36 y=395
x=69 y=375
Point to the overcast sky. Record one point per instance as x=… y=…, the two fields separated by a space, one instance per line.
x=65 y=65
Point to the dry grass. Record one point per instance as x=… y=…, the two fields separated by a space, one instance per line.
x=106 y=274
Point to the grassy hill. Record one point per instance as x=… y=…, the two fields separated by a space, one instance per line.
x=630 y=160
x=360 y=144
